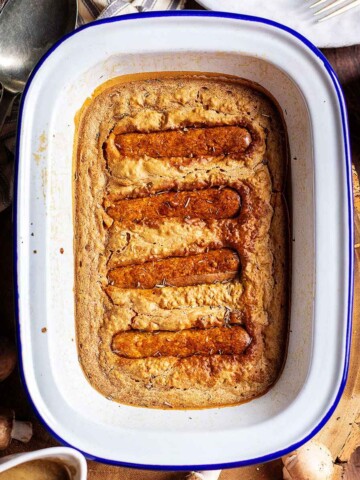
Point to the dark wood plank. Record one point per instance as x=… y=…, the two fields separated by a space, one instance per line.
x=346 y=63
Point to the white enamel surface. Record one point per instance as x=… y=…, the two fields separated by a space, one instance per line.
x=314 y=367
x=69 y=457
x=338 y=31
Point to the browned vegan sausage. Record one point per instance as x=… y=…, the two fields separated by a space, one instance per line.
x=189 y=142
x=217 y=340
x=205 y=204
x=216 y=265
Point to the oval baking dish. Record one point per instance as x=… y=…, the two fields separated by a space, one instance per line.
x=310 y=386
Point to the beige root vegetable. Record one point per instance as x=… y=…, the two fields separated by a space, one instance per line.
x=7 y=358
x=11 y=428
x=206 y=475
x=312 y=461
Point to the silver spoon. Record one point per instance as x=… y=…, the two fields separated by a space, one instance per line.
x=28 y=28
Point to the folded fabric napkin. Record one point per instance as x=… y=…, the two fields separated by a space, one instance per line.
x=89 y=10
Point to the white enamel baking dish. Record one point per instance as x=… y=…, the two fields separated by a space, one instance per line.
x=322 y=266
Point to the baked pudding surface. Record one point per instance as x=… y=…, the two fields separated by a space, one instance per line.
x=181 y=241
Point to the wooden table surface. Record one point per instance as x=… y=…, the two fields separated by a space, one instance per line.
x=341 y=434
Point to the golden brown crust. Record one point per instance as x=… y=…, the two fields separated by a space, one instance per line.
x=143 y=204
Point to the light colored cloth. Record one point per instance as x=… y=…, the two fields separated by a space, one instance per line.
x=89 y=10
x=340 y=31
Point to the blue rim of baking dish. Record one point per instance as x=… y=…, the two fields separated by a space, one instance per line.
x=345 y=134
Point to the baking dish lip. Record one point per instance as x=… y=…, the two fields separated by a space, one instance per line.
x=347 y=157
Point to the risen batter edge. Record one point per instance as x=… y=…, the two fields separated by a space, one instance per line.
x=256 y=300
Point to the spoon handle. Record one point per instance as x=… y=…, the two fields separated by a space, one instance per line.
x=6 y=104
